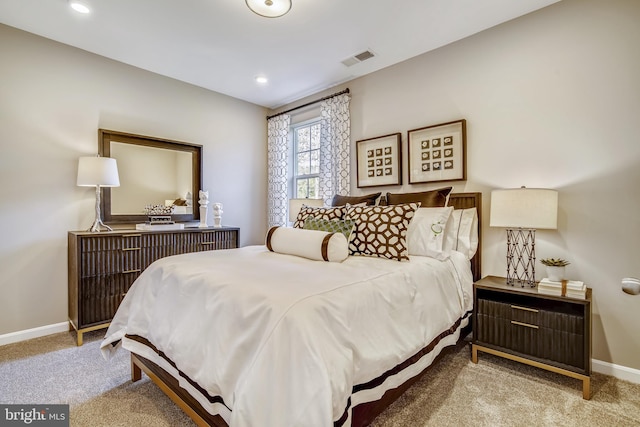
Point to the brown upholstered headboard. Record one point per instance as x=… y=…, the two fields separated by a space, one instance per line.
x=471 y=200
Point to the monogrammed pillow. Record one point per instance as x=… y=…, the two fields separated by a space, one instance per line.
x=381 y=231
x=320 y=213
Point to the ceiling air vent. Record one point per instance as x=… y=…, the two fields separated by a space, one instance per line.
x=362 y=56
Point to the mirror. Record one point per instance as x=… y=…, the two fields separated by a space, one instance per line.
x=152 y=171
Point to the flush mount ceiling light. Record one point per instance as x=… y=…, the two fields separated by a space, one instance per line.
x=269 y=8
x=261 y=80
x=79 y=6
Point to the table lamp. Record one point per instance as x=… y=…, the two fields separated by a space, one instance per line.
x=98 y=172
x=521 y=211
x=296 y=204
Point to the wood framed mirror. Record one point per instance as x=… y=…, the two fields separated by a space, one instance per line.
x=152 y=171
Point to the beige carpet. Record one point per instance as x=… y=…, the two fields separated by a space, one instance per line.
x=455 y=392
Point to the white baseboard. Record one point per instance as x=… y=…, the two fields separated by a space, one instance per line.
x=28 y=334
x=617 y=371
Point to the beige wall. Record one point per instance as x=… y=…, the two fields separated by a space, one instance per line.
x=551 y=100
x=53 y=99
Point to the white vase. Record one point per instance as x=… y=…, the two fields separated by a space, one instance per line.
x=555 y=273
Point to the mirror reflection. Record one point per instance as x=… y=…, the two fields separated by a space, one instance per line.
x=151 y=176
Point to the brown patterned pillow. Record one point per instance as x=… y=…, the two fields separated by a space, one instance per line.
x=381 y=231
x=319 y=213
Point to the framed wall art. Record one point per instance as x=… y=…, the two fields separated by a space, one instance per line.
x=379 y=161
x=438 y=153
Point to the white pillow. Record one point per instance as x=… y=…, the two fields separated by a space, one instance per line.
x=462 y=235
x=312 y=244
x=425 y=236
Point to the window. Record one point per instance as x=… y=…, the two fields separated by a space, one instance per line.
x=306 y=160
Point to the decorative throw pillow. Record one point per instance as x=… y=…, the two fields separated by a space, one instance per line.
x=344 y=226
x=381 y=231
x=428 y=199
x=369 y=199
x=311 y=244
x=427 y=231
x=462 y=233
x=323 y=213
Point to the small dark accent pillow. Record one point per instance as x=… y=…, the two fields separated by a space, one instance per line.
x=369 y=199
x=428 y=199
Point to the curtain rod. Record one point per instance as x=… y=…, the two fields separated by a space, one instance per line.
x=310 y=103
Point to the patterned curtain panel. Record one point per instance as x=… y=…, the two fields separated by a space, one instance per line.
x=278 y=157
x=335 y=139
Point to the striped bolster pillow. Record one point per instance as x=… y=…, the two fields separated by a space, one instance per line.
x=312 y=244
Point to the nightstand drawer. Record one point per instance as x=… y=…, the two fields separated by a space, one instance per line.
x=528 y=315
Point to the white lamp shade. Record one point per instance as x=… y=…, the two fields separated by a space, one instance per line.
x=524 y=208
x=94 y=171
x=296 y=204
x=269 y=8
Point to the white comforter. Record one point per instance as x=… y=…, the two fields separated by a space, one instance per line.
x=284 y=339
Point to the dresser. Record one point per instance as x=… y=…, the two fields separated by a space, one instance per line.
x=102 y=266
x=547 y=331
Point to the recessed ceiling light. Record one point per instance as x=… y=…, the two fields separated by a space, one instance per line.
x=261 y=80
x=79 y=6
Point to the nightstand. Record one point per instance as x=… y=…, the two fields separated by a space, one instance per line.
x=545 y=331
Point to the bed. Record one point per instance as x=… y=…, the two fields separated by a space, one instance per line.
x=303 y=342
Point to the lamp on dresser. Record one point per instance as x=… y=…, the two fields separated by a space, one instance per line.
x=296 y=204
x=521 y=211
x=98 y=172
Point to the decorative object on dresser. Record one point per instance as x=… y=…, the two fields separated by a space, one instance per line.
x=438 y=152
x=103 y=266
x=97 y=172
x=555 y=268
x=545 y=331
x=204 y=206
x=521 y=211
x=217 y=215
x=379 y=161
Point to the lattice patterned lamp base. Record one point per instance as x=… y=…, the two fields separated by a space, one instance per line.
x=521 y=257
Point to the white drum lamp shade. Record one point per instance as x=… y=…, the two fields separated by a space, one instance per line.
x=102 y=171
x=296 y=204
x=524 y=208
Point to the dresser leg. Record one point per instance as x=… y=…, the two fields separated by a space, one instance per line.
x=79 y=338
x=474 y=353
x=586 y=388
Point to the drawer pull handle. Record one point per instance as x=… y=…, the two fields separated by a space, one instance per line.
x=513 y=322
x=130 y=249
x=131 y=271
x=517 y=307
x=209 y=243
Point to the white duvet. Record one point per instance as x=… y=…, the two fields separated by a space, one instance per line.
x=284 y=339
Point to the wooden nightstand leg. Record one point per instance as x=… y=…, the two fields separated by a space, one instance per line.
x=586 y=388
x=474 y=353
x=79 y=338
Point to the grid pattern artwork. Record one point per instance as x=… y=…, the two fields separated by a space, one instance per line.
x=437 y=153
x=379 y=161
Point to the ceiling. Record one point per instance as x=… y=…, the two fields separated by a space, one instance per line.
x=222 y=46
